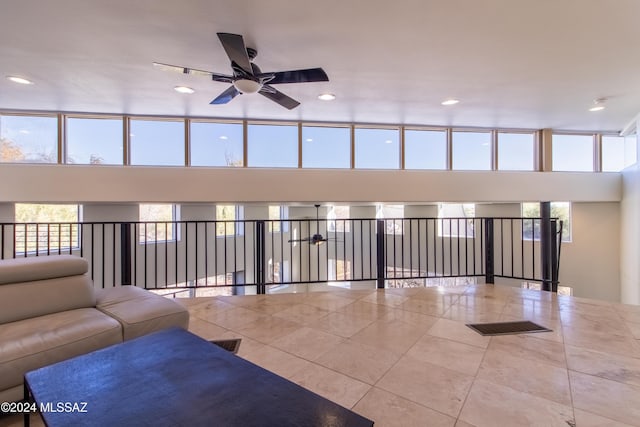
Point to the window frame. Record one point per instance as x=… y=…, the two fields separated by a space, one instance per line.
x=354 y=146
x=447 y=143
x=238 y=224
x=175 y=230
x=65 y=142
x=58 y=145
x=189 y=148
x=161 y=119
x=247 y=144
x=282 y=221
x=566 y=238
x=602 y=152
x=325 y=125
x=75 y=245
x=594 y=144
x=443 y=232
x=534 y=140
x=489 y=132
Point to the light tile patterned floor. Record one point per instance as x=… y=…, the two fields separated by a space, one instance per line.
x=404 y=357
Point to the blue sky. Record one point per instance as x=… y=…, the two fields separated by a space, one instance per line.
x=33 y=135
x=98 y=137
x=216 y=144
x=572 y=153
x=326 y=147
x=425 y=149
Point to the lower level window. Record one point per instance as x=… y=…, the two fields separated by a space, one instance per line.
x=560 y=210
x=46 y=228
x=392 y=214
x=157 y=222
x=456 y=219
x=228 y=220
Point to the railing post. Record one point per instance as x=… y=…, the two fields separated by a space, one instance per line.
x=260 y=258
x=380 y=251
x=554 y=255
x=125 y=253
x=546 y=244
x=489 y=275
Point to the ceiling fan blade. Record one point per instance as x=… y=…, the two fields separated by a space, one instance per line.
x=226 y=96
x=221 y=78
x=308 y=239
x=296 y=76
x=184 y=70
x=233 y=44
x=279 y=97
x=169 y=67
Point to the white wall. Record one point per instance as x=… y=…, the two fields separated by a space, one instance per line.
x=76 y=183
x=590 y=263
x=7 y=212
x=630 y=233
x=94 y=212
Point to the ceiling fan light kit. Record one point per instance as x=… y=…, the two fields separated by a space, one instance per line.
x=247 y=86
x=247 y=77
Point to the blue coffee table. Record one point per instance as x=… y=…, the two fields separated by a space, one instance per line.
x=175 y=378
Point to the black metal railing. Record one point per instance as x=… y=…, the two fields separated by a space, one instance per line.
x=392 y=252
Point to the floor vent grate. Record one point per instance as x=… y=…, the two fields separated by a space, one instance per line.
x=229 y=345
x=507 y=328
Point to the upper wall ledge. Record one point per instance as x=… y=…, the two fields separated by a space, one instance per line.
x=77 y=184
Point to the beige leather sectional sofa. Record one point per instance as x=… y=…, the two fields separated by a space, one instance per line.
x=49 y=311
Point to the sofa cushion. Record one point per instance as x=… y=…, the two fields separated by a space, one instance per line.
x=42 y=267
x=33 y=343
x=19 y=301
x=139 y=311
x=36 y=286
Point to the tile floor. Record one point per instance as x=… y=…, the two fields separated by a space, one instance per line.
x=404 y=357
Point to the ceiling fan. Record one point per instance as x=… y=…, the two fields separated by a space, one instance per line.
x=317 y=238
x=247 y=76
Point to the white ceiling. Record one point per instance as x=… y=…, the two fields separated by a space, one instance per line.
x=512 y=63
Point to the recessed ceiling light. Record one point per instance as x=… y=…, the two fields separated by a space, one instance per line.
x=183 y=89
x=20 y=80
x=309 y=139
x=327 y=96
x=598 y=104
x=450 y=102
x=388 y=141
x=223 y=137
